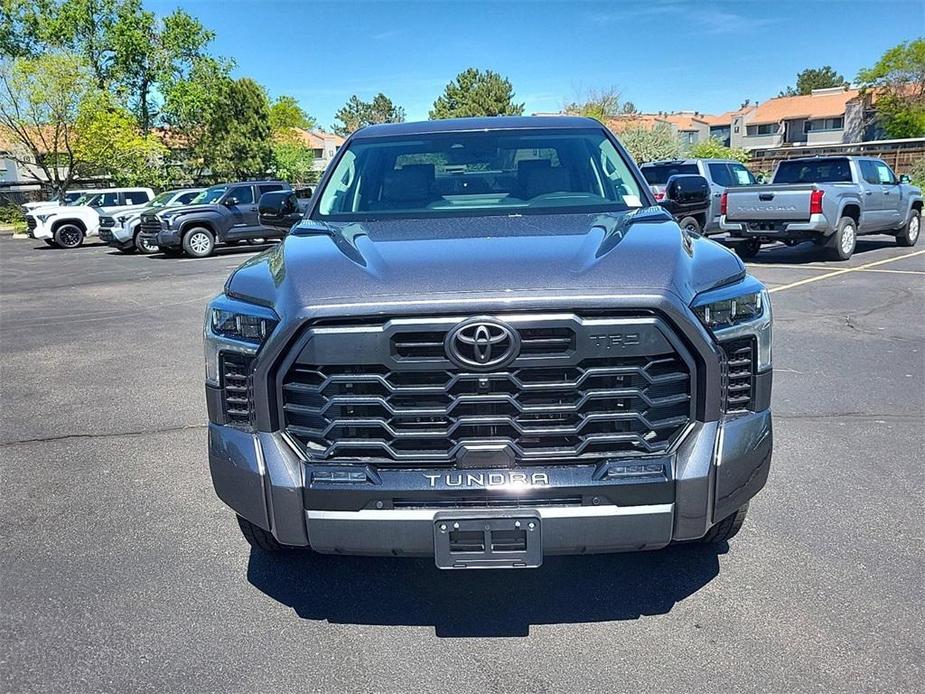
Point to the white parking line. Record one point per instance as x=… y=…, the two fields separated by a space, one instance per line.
x=836 y=273
x=825 y=268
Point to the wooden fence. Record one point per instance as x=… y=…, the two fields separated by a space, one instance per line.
x=900 y=154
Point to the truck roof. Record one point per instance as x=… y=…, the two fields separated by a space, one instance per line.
x=469 y=124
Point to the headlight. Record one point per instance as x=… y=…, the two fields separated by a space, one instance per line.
x=739 y=310
x=234 y=326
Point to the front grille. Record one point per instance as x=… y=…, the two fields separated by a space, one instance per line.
x=150 y=224
x=236 y=387
x=31 y=223
x=554 y=402
x=106 y=235
x=739 y=375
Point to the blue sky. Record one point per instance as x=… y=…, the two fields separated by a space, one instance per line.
x=660 y=54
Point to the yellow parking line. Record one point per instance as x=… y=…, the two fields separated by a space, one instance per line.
x=836 y=273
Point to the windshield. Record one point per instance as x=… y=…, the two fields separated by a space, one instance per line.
x=658 y=174
x=506 y=172
x=815 y=171
x=70 y=198
x=209 y=195
x=161 y=199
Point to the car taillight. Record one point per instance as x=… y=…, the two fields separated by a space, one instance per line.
x=815 y=201
x=723 y=204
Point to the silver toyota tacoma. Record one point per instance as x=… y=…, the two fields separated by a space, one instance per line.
x=826 y=200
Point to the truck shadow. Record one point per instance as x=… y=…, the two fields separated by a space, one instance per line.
x=413 y=592
x=811 y=253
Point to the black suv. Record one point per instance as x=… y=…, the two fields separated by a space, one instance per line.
x=225 y=213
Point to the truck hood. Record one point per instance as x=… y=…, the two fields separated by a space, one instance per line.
x=642 y=251
x=175 y=210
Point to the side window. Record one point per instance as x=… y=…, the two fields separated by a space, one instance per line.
x=135 y=197
x=243 y=194
x=108 y=200
x=869 y=171
x=334 y=199
x=186 y=197
x=720 y=175
x=268 y=188
x=884 y=173
x=741 y=176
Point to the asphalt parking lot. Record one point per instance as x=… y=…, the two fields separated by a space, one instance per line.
x=122 y=572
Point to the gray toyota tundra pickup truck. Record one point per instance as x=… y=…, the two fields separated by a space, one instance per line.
x=826 y=200
x=484 y=342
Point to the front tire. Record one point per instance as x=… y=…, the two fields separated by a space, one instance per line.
x=748 y=249
x=258 y=538
x=690 y=224
x=910 y=233
x=842 y=243
x=69 y=236
x=198 y=242
x=726 y=529
x=143 y=246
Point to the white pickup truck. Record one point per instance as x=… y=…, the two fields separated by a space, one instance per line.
x=66 y=226
x=827 y=200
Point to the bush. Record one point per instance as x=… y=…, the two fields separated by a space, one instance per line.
x=651 y=144
x=714 y=149
x=917 y=173
x=11 y=214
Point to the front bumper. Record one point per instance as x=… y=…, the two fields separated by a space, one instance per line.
x=40 y=231
x=816 y=226
x=716 y=468
x=168 y=238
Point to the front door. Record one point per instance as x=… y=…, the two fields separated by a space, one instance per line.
x=244 y=213
x=873 y=216
x=893 y=202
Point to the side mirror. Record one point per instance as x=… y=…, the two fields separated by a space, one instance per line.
x=279 y=208
x=905 y=178
x=230 y=202
x=687 y=189
x=759 y=178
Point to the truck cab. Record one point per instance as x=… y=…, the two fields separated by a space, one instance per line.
x=67 y=226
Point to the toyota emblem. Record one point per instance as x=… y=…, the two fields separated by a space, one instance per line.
x=482 y=343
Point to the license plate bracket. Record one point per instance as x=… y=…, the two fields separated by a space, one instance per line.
x=492 y=540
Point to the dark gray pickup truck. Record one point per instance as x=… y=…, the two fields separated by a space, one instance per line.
x=225 y=213
x=486 y=343
x=827 y=200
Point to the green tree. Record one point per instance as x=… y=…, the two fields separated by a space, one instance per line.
x=815 y=78
x=712 y=148
x=40 y=101
x=476 y=93
x=356 y=114
x=236 y=141
x=285 y=113
x=110 y=143
x=22 y=25
x=599 y=104
x=650 y=144
x=896 y=83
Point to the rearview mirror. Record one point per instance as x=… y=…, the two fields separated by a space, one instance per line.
x=279 y=208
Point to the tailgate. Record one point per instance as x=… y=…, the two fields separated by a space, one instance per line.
x=771 y=203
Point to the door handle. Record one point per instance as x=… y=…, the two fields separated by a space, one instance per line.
x=717 y=195
x=867 y=192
